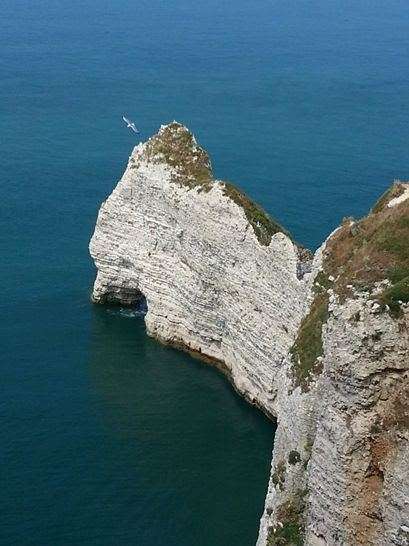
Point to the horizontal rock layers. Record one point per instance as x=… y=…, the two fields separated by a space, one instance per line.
x=299 y=336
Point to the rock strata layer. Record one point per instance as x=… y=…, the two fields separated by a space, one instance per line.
x=318 y=342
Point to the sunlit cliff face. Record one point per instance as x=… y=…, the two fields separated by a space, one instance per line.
x=319 y=342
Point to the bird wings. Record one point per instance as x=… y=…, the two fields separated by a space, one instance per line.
x=130 y=124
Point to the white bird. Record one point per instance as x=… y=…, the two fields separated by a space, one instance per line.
x=130 y=124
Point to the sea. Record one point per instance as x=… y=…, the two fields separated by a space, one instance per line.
x=108 y=438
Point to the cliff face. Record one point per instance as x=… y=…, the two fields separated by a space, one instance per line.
x=213 y=284
x=353 y=483
x=358 y=474
x=321 y=344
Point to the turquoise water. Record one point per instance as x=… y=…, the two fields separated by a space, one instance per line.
x=107 y=437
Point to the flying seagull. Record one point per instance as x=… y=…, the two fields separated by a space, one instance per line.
x=130 y=124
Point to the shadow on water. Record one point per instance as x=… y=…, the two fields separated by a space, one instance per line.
x=194 y=454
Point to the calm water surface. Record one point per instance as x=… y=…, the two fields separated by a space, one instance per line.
x=107 y=438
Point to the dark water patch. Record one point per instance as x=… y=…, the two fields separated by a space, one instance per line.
x=181 y=416
x=111 y=438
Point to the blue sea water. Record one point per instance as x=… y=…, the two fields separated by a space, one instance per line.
x=108 y=438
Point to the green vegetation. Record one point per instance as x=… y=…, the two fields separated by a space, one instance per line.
x=358 y=255
x=263 y=225
x=397 y=274
x=294 y=457
x=391 y=238
x=308 y=449
x=372 y=249
x=278 y=477
x=289 y=534
x=176 y=146
x=321 y=283
x=395 y=295
x=308 y=344
x=394 y=191
x=290 y=530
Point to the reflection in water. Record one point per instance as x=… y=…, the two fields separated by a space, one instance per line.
x=191 y=449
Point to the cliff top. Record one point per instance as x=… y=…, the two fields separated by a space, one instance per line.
x=375 y=248
x=176 y=146
x=367 y=255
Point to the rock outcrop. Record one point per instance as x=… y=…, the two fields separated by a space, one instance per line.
x=318 y=342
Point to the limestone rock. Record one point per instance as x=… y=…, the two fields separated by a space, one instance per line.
x=320 y=344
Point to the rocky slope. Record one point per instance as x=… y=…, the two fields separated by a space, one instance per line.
x=320 y=343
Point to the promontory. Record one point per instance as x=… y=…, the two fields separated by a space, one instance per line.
x=318 y=342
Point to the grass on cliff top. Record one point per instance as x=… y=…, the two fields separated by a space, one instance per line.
x=395 y=190
x=372 y=249
x=395 y=295
x=357 y=256
x=263 y=225
x=176 y=146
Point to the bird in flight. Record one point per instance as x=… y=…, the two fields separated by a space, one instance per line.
x=130 y=124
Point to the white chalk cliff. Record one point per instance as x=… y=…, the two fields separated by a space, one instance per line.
x=319 y=343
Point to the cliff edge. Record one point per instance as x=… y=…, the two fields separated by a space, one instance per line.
x=318 y=342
